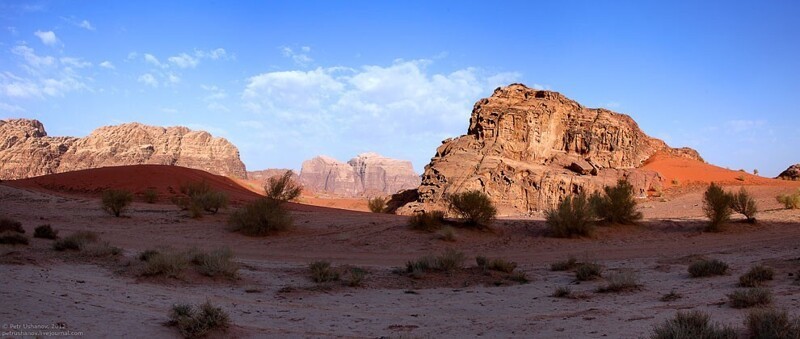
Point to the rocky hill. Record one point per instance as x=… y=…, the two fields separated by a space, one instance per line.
x=528 y=149
x=27 y=151
x=367 y=174
x=791 y=173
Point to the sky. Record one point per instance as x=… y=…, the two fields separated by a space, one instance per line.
x=288 y=81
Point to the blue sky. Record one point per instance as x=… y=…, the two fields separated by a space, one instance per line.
x=285 y=82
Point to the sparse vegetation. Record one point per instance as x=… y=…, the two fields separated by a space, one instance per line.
x=355 y=276
x=772 y=324
x=377 y=204
x=198 y=197
x=426 y=221
x=500 y=265
x=671 y=296
x=572 y=217
x=170 y=264
x=260 y=218
x=519 y=276
x=676 y=182
x=45 y=232
x=790 y=201
x=621 y=281
x=76 y=241
x=150 y=196
x=474 y=207
x=617 y=205
x=13 y=238
x=116 y=201
x=215 y=263
x=744 y=204
x=755 y=171
x=11 y=225
x=717 y=207
x=750 y=297
x=565 y=265
x=197 y=322
x=449 y=261
x=322 y=272
x=707 y=268
x=447 y=234
x=588 y=271
x=562 y=292
x=283 y=188
x=756 y=276
x=692 y=325
x=740 y=178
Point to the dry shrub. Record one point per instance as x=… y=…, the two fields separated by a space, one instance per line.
x=474 y=207
x=377 y=204
x=199 y=197
x=565 y=265
x=750 y=297
x=447 y=234
x=620 y=282
x=11 y=225
x=426 y=221
x=170 y=264
x=717 y=207
x=743 y=203
x=449 y=261
x=355 y=276
x=588 y=271
x=197 y=322
x=772 y=324
x=562 y=292
x=756 y=276
x=260 y=218
x=573 y=217
x=215 y=263
x=13 y=238
x=707 y=268
x=617 y=205
x=76 y=241
x=283 y=187
x=45 y=232
x=150 y=196
x=790 y=201
x=116 y=201
x=671 y=296
x=694 y=325
x=322 y=272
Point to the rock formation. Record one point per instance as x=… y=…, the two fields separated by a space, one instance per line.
x=367 y=174
x=791 y=173
x=527 y=149
x=27 y=151
x=264 y=175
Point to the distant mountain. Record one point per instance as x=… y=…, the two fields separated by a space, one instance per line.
x=367 y=174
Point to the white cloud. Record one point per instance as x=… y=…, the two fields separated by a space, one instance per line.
x=46 y=75
x=148 y=79
x=86 y=25
x=8 y=108
x=215 y=54
x=12 y=30
x=173 y=79
x=300 y=58
x=48 y=38
x=107 y=64
x=35 y=62
x=215 y=93
x=75 y=62
x=738 y=126
x=184 y=60
x=132 y=55
x=169 y=110
x=217 y=107
x=151 y=59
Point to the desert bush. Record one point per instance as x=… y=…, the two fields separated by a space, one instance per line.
x=170 y=264
x=617 y=205
x=150 y=196
x=425 y=221
x=76 y=241
x=572 y=217
x=116 y=201
x=198 y=322
x=321 y=272
x=562 y=292
x=500 y=265
x=449 y=261
x=147 y=254
x=45 y=232
x=565 y=265
x=790 y=201
x=676 y=182
x=282 y=187
x=519 y=277
x=474 y=207
x=261 y=217
x=750 y=297
x=707 y=268
x=355 y=276
x=211 y=201
x=620 y=282
x=11 y=225
x=744 y=204
x=447 y=234
x=215 y=263
x=377 y=204
x=692 y=325
x=756 y=276
x=588 y=271
x=717 y=207
x=771 y=324
x=13 y=238
x=100 y=249
x=671 y=296
x=199 y=197
x=740 y=178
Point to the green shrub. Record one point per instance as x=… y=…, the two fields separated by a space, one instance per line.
x=772 y=324
x=790 y=201
x=617 y=205
x=116 y=201
x=425 y=221
x=573 y=217
x=620 y=282
x=474 y=207
x=211 y=201
x=76 y=241
x=13 y=238
x=717 y=207
x=562 y=292
x=11 y=225
x=377 y=204
x=215 y=263
x=750 y=297
x=322 y=272
x=588 y=271
x=197 y=323
x=744 y=204
x=150 y=196
x=756 y=276
x=170 y=264
x=692 y=325
x=260 y=218
x=45 y=232
x=199 y=197
x=565 y=265
x=707 y=268
x=283 y=187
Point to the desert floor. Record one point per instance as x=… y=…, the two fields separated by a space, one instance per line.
x=274 y=296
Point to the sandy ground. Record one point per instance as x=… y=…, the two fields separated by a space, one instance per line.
x=274 y=296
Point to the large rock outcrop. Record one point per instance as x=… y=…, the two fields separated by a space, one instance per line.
x=528 y=149
x=27 y=151
x=791 y=173
x=367 y=174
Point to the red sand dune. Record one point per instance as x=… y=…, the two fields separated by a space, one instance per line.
x=692 y=172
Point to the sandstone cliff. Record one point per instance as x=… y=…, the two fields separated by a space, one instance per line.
x=791 y=173
x=27 y=151
x=367 y=174
x=528 y=149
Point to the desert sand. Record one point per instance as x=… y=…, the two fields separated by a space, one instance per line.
x=274 y=297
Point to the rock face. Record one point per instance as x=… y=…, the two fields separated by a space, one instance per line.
x=264 y=175
x=527 y=149
x=367 y=174
x=791 y=173
x=27 y=151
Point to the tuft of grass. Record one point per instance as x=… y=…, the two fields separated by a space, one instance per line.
x=756 y=276
x=215 y=263
x=45 y=232
x=260 y=218
x=447 y=234
x=146 y=255
x=671 y=296
x=377 y=205
x=740 y=178
x=449 y=261
x=771 y=324
x=588 y=271
x=519 y=277
x=197 y=322
x=500 y=265
x=573 y=217
x=617 y=205
x=170 y=264
x=321 y=272
x=115 y=202
x=11 y=225
x=744 y=204
x=199 y=196
x=283 y=187
x=150 y=196
x=676 y=182
x=622 y=281
x=355 y=276
x=13 y=238
x=692 y=325
x=76 y=241
x=565 y=265
x=790 y=201
x=474 y=207
x=717 y=207
x=707 y=268
x=750 y=297
x=424 y=221
x=562 y=292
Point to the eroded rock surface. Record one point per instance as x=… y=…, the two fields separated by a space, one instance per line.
x=791 y=173
x=367 y=174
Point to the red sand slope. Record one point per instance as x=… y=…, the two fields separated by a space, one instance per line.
x=691 y=172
